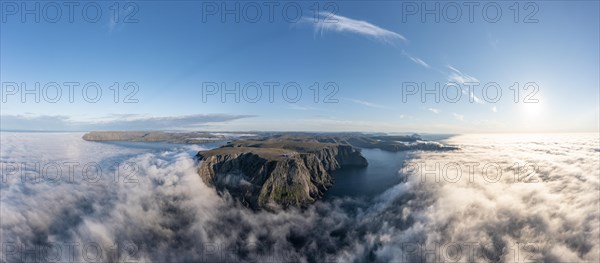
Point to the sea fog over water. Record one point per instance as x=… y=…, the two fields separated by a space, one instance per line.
x=500 y=198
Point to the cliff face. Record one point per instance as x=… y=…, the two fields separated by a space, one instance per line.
x=263 y=177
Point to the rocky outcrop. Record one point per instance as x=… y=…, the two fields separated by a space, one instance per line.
x=275 y=174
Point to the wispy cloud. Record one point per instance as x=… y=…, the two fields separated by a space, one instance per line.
x=457 y=76
x=493 y=41
x=434 y=110
x=294 y=106
x=114 y=122
x=112 y=24
x=415 y=59
x=124 y=15
x=494 y=109
x=459 y=117
x=475 y=98
x=327 y=21
x=367 y=103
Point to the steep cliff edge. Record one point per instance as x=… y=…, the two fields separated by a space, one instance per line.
x=274 y=173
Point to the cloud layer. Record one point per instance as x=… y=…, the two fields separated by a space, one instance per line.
x=170 y=215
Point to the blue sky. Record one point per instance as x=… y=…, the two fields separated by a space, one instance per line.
x=365 y=49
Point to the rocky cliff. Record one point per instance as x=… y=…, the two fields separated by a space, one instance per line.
x=274 y=173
